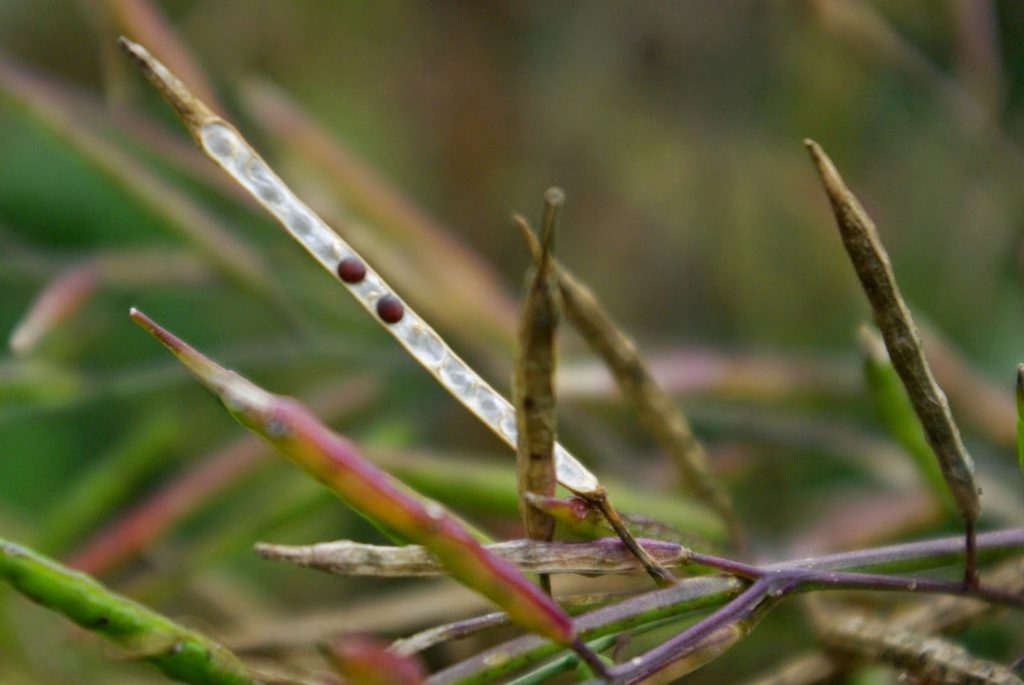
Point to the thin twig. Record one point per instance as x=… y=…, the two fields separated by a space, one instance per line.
x=871 y=262
x=662 y=576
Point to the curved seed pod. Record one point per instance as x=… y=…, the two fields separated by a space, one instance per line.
x=534 y=382
x=182 y=654
x=902 y=340
x=226 y=146
x=286 y=424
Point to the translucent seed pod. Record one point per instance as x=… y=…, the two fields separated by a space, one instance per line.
x=226 y=146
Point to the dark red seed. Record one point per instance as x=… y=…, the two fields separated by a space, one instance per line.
x=390 y=309
x=351 y=270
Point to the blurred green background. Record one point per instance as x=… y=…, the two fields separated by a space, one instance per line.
x=676 y=130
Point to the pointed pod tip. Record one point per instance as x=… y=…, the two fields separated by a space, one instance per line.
x=554 y=196
x=135 y=51
x=193 y=112
x=211 y=374
x=169 y=340
x=818 y=155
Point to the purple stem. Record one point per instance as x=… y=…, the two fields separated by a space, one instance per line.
x=658 y=658
x=778 y=580
x=953 y=547
x=874 y=581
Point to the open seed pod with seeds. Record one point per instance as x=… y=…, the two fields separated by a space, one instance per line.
x=590 y=545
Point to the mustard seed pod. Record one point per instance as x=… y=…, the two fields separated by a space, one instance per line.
x=892 y=316
x=652 y=404
x=226 y=146
x=534 y=382
x=335 y=461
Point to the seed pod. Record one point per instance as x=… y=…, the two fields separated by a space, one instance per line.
x=534 y=381
x=347 y=558
x=223 y=144
x=652 y=404
x=286 y=424
x=892 y=316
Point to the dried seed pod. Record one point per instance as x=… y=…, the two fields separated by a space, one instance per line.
x=333 y=460
x=871 y=262
x=653 y=405
x=347 y=558
x=598 y=498
x=534 y=381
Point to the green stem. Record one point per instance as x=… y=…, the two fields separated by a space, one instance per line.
x=183 y=655
x=561 y=664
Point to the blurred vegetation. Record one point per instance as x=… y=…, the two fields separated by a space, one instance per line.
x=675 y=129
